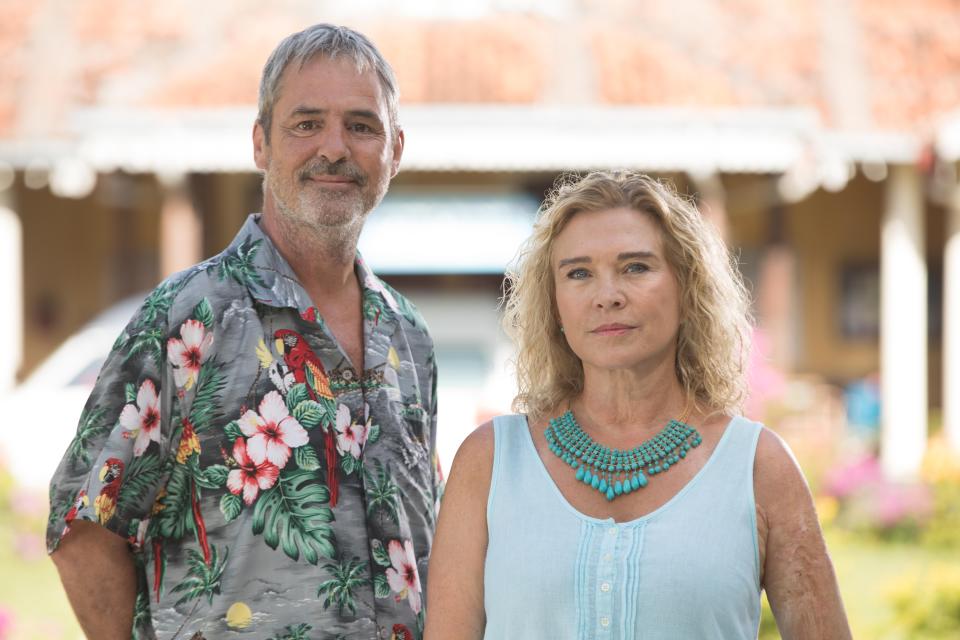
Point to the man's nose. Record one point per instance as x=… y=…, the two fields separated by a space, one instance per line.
x=332 y=144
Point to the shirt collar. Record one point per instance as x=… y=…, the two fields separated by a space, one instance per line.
x=253 y=260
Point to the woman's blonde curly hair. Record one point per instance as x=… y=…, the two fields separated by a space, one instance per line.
x=715 y=323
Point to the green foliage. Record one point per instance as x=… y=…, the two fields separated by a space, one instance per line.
x=232 y=430
x=158 y=303
x=130 y=393
x=151 y=341
x=349 y=464
x=205 y=407
x=380 y=555
x=142 y=475
x=309 y=414
x=338 y=590
x=202 y=579
x=382 y=492
x=943 y=527
x=928 y=607
x=306 y=457
x=90 y=427
x=296 y=395
x=212 y=477
x=204 y=313
x=239 y=265
x=768 y=625
x=176 y=517
x=291 y=632
x=290 y=514
x=230 y=506
x=381 y=587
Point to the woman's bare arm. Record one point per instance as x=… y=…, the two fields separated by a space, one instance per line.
x=797 y=572
x=455 y=589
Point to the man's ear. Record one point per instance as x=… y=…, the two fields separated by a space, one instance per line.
x=261 y=148
x=398 y=142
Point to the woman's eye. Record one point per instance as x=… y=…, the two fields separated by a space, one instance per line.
x=637 y=267
x=577 y=274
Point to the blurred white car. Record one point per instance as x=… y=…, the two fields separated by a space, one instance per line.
x=40 y=415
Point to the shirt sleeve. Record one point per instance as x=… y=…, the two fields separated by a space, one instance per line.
x=117 y=462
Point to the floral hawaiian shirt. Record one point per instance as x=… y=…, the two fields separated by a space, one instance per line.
x=267 y=488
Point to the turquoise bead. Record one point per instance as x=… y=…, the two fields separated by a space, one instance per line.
x=579 y=475
x=602 y=488
x=588 y=477
x=618 y=488
x=641 y=479
x=595 y=482
x=634 y=483
x=626 y=486
x=610 y=493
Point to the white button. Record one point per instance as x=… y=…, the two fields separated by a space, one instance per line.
x=613 y=531
x=607 y=557
x=604 y=621
x=605 y=587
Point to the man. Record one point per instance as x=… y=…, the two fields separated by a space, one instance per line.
x=258 y=453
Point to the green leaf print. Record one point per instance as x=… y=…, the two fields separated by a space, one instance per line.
x=142 y=476
x=374 y=434
x=339 y=589
x=91 y=426
x=381 y=587
x=309 y=414
x=382 y=492
x=306 y=458
x=297 y=394
x=230 y=506
x=205 y=407
x=373 y=305
x=149 y=340
x=291 y=632
x=204 y=313
x=202 y=579
x=157 y=304
x=141 y=613
x=232 y=430
x=349 y=464
x=176 y=516
x=380 y=555
x=239 y=265
x=290 y=514
x=130 y=393
x=213 y=477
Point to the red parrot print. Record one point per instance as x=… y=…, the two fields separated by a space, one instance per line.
x=78 y=504
x=308 y=369
x=111 y=474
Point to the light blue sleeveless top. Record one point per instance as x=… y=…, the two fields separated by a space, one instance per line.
x=690 y=569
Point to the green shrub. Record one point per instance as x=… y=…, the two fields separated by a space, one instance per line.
x=927 y=607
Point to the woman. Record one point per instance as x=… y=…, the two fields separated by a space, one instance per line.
x=628 y=500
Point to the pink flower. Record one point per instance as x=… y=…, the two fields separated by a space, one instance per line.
x=351 y=436
x=251 y=477
x=402 y=576
x=142 y=420
x=273 y=432
x=188 y=353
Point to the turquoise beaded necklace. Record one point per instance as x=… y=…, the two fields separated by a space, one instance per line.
x=613 y=472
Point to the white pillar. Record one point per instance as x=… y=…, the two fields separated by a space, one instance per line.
x=11 y=292
x=951 y=323
x=903 y=326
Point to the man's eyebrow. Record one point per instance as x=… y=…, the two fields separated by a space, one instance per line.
x=577 y=260
x=307 y=111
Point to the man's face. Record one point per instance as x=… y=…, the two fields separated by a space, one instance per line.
x=332 y=152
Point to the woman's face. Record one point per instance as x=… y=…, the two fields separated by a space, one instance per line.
x=618 y=298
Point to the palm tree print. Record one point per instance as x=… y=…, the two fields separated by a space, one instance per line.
x=202 y=580
x=91 y=426
x=338 y=590
x=291 y=632
x=382 y=492
x=240 y=265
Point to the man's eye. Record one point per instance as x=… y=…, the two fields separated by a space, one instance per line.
x=306 y=125
x=359 y=127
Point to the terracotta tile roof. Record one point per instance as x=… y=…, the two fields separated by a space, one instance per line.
x=737 y=53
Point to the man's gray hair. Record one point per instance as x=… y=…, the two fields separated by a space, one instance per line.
x=330 y=41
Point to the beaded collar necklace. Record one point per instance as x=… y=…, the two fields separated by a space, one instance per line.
x=615 y=472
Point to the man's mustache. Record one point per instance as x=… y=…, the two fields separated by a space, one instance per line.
x=342 y=168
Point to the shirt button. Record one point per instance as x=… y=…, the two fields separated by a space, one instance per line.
x=604 y=621
x=607 y=557
x=613 y=531
x=605 y=587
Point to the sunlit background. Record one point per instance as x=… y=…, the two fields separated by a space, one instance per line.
x=821 y=136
